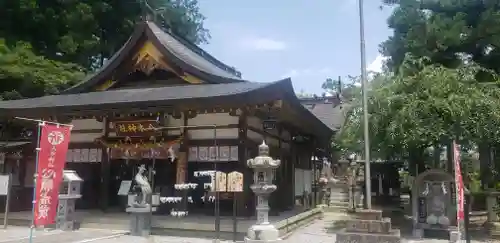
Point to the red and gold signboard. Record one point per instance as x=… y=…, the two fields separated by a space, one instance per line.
x=136 y=128
x=54 y=141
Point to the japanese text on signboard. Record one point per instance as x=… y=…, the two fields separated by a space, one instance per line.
x=54 y=142
x=135 y=128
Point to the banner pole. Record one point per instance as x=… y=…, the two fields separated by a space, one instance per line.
x=39 y=133
x=43 y=122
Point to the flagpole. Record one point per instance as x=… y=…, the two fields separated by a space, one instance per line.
x=42 y=121
x=37 y=155
x=39 y=133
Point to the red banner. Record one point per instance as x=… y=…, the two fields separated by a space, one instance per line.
x=54 y=141
x=459 y=185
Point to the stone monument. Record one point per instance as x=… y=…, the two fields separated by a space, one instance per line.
x=433 y=200
x=69 y=192
x=141 y=211
x=263 y=165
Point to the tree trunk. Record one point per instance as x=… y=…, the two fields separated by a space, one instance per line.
x=436 y=156
x=495 y=164
x=416 y=160
x=486 y=165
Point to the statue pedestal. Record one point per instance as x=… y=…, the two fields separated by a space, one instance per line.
x=262 y=233
x=66 y=212
x=140 y=220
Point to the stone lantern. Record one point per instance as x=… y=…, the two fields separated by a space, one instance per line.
x=263 y=165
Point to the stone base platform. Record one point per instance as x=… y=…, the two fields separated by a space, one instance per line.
x=369 y=227
x=247 y=240
x=348 y=237
x=140 y=220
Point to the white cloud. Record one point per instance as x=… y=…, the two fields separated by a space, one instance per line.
x=377 y=64
x=307 y=72
x=264 y=44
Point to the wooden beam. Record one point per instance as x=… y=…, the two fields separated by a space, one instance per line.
x=267 y=134
x=96 y=130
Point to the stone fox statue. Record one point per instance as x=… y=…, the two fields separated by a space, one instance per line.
x=142 y=182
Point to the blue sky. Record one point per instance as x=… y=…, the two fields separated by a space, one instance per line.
x=308 y=41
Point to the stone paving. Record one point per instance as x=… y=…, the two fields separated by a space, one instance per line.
x=317 y=232
x=21 y=235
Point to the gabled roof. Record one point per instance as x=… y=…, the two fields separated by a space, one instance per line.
x=326 y=109
x=188 y=56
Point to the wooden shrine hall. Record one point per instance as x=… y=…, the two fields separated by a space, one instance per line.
x=165 y=103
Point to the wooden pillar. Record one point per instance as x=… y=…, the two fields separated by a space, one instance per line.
x=105 y=169
x=181 y=175
x=293 y=161
x=280 y=173
x=181 y=168
x=246 y=202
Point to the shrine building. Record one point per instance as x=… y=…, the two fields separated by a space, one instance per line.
x=164 y=102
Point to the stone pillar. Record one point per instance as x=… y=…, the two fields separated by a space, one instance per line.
x=66 y=213
x=263 y=165
x=491 y=204
x=140 y=220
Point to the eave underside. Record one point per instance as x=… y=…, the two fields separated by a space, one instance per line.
x=173 y=98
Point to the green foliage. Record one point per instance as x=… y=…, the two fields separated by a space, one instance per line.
x=24 y=74
x=423 y=105
x=447 y=32
x=88 y=32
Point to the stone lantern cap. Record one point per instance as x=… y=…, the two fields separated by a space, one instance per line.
x=263 y=160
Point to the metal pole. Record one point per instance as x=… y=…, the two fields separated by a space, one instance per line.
x=7 y=203
x=364 y=88
x=40 y=121
x=37 y=157
x=235 y=220
x=467 y=218
x=216 y=208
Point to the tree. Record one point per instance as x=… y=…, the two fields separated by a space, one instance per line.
x=25 y=75
x=88 y=32
x=448 y=33
x=423 y=106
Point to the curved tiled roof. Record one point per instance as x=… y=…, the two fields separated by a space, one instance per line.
x=123 y=96
x=193 y=60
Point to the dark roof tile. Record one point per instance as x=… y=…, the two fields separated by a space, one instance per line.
x=187 y=55
x=331 y=115
x=134 y=95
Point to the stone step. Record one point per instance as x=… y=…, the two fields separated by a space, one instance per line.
x=369 y=226
x=369 y=214
x=341 y=199
x=336 y=208
x=339 y=204
x=348 y=237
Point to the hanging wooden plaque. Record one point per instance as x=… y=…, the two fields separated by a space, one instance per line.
x=235 y=182
x=220 y=180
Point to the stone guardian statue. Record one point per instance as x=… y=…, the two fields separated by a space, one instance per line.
x=144 y=186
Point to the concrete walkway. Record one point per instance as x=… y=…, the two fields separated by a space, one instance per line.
x=319 y=231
